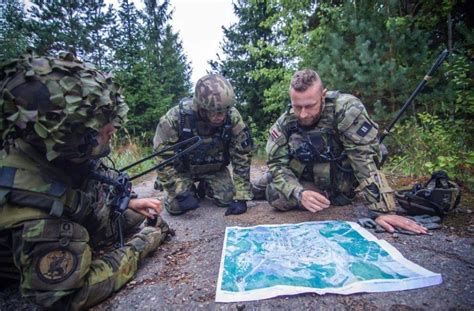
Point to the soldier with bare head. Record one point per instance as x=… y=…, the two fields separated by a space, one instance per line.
x=210 y=114
x=322 y=150
x=57 y=117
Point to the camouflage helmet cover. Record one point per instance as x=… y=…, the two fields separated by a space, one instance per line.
x=56 y=102
x=214 y=93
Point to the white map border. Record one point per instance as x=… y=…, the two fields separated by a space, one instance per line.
x=428 y=278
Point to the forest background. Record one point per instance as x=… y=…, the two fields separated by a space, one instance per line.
x=376 y=50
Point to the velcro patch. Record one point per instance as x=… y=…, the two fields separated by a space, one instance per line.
x=364 y=129
x=56 y=265
x=275 y=134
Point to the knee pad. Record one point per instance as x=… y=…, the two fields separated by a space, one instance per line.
x=379 y=193
x=260 y=185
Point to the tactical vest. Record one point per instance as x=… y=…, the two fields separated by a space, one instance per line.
x=213 y=154
x=316 y=153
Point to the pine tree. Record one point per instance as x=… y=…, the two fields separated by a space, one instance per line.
x=176 y=71
x=128 y=37
x=13 y=32
x=151 y=63
x=367 y=49
x=78 y=26
x=99 y=20
x=246 y=52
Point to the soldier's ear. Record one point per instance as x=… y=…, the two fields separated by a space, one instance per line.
x=325 y=91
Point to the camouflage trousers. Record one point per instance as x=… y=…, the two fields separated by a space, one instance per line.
x=218 y=186
x=342 y=193
x=60 y=269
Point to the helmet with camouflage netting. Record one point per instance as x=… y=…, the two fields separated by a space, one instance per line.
x=214 y=93
x=57 y=104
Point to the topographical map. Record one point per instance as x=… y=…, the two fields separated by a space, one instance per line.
x=312 y=257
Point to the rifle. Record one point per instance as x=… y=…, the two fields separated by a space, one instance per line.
x=444 y=54
x=123 y=183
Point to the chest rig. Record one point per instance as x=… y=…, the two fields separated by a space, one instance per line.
x=213 y=154
x=316 y=152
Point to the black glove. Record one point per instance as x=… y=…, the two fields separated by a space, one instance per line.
x=370 y=224
x=187 y=201
x=427 y=221
x=236 y=207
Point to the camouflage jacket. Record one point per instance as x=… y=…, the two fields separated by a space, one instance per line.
x=50 y=223
x=215 y=153
x=344 y=126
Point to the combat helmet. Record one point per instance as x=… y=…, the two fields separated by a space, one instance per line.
x=214 y=93
x=56 y=104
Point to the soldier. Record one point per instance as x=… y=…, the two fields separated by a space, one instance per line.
x=211 y=115
x=57 y=118
x=321 y=150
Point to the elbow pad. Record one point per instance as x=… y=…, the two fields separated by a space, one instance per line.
x=379 y=193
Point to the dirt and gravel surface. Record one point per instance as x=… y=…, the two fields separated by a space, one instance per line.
x=182 y=274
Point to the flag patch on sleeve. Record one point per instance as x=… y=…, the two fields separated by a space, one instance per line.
x=364 y=129
x=275 y=134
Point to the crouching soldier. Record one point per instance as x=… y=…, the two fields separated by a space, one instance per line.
x=323 y=149
x=211 y=115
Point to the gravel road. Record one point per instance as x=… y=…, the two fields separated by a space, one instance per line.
x=182 y=275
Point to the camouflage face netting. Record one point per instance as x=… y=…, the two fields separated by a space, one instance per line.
x=56 y=104
x=214 y=93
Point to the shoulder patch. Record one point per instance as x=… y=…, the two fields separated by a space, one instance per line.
x=275 y=133
x=276 y=138
x=364 y=129
x=56 y=265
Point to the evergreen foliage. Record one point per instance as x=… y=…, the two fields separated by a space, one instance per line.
x=377 y=50
x=13 y=34
x=140 y=46
x=248 y=50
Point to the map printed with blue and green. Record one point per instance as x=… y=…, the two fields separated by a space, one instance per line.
x=313 y=257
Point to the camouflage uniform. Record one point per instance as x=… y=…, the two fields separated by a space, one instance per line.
x=333 y=157
x=53 y=216
x=228 y=143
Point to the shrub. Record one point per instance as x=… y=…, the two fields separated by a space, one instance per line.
x=127 y=150
x=431 y=144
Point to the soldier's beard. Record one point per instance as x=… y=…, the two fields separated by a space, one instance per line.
x=309 y=121
x=100 y=151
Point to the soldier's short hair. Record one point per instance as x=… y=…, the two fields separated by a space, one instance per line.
x=304 y=79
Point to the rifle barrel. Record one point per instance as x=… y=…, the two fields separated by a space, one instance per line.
x=196 y=142
x=418 y=89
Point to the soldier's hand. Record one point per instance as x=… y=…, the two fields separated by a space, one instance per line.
x=314 y=201
x=148 y=207
x=236 y=207
x=389 y=222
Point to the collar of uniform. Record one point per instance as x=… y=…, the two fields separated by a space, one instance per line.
x=44 y=165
